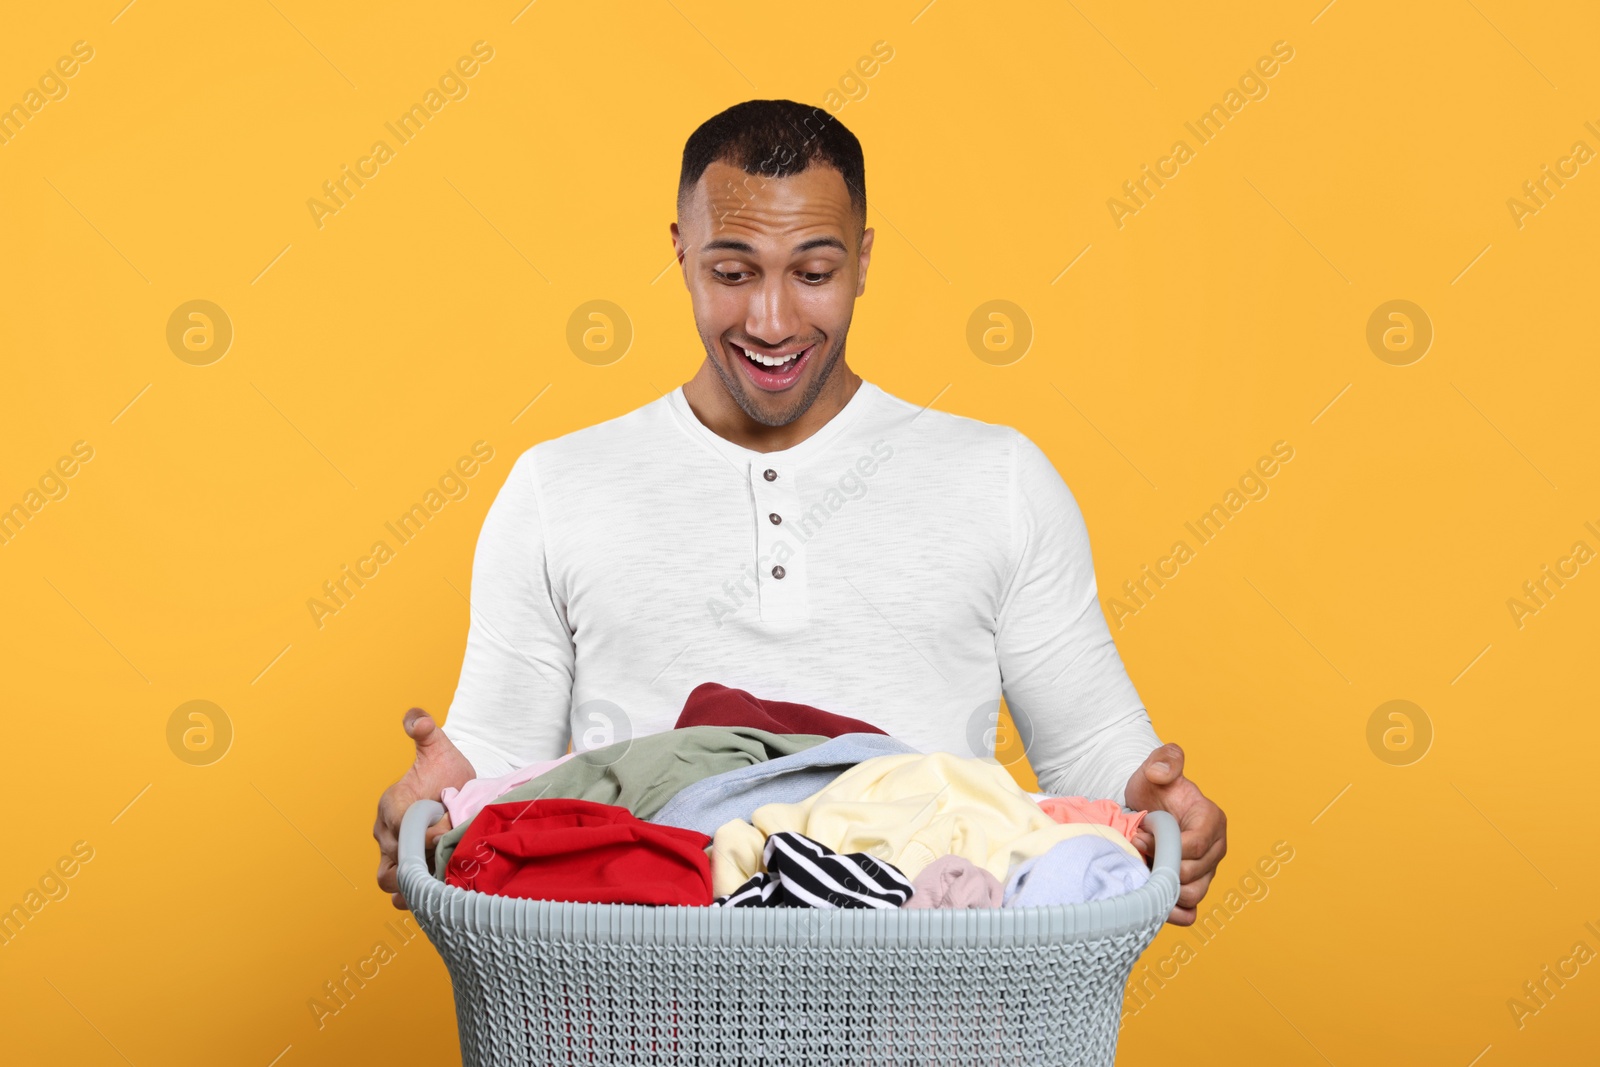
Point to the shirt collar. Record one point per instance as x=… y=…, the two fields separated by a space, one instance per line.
x=866 y=395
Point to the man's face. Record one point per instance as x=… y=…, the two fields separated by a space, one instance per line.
x=773 y=266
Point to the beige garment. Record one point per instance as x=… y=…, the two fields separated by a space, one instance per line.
x=907 y=810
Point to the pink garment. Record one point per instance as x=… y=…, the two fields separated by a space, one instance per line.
x=955 y=882
x=1082 y=809
x=465 y=803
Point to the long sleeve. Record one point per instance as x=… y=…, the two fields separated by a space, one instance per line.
x=1082 y=724
x=513 y=701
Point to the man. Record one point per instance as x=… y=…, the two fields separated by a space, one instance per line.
x=779 y=525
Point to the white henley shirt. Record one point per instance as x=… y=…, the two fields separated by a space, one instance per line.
x=903 y=566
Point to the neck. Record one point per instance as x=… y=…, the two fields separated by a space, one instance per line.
x=708 y=398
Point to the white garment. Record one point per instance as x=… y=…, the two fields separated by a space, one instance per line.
x=929 y=561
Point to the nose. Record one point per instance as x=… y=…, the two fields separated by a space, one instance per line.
x=773 y=315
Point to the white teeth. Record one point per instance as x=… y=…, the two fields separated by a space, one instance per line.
x=769 y=361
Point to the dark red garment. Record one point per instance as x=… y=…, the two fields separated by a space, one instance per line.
x=562 y=848
x=716 y=705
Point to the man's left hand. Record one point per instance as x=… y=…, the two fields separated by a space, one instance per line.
x=1159 y=785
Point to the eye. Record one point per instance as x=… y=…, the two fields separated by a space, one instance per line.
x=817 y=277
x=727 y=276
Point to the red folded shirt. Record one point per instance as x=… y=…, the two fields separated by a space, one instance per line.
x=717 y=705
x=561 y=848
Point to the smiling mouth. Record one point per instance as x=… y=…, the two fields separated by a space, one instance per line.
x=772 y=371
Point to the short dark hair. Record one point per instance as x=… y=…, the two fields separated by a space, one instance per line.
x=775 y=138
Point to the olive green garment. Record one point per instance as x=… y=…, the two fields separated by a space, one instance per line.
x=643 y=773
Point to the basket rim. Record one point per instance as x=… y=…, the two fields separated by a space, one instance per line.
x=447 y=911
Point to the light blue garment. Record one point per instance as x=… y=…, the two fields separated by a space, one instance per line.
x=1079 y=869
x=736 y=794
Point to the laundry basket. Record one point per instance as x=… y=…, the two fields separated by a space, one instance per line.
x=548 y=982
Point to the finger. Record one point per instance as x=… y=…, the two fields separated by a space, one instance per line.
x=1191 y=893
x=385 y=830
x=1192 y=866
x=398 y=901
x=431 y=741
x=1165 y=765
x=1191 y=869
x=388 y=878
x=1197 y=844
x=418 y=724
x=1203 y=830
x=436 y=753
x=1204 y=817
x=1181 y=916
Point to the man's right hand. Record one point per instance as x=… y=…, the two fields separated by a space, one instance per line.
x=439 y=764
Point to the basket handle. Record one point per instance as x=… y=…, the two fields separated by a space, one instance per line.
x=417 y=883
x=1169 y=843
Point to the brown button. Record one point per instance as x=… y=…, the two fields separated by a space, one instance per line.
x=776 y=518
x=770 y=475
x=778 y=572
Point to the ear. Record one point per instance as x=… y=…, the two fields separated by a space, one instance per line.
x=866 y=260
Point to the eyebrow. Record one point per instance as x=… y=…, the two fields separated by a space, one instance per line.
x=733 y=244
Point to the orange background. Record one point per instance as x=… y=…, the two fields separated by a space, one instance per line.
x=1228 y=313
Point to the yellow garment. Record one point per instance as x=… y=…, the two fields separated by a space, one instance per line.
x=907 y=810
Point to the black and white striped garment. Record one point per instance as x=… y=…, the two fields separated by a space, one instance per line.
x=802 y=873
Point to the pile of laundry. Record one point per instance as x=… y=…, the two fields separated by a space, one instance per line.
x=760 y=803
